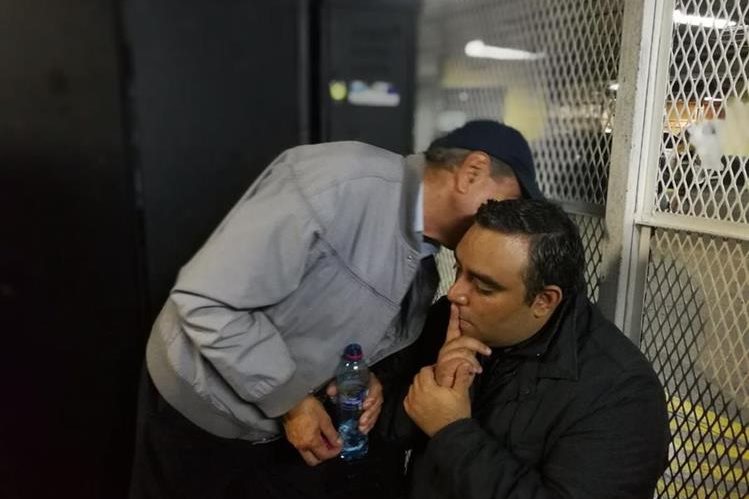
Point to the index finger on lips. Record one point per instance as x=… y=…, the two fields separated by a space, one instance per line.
x=453 y=326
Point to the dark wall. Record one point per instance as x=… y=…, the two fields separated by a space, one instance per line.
x=128 y=128
x=363 y=42
x=217 y=93
x=69 y=279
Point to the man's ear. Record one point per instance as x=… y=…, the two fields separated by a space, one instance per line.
x=474 y=168
x=546 y=301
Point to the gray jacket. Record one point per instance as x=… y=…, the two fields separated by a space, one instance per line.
x=318 y=253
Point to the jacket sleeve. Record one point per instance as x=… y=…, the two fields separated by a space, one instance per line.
x=617 y=450
x=396 y=373
x=254 y=259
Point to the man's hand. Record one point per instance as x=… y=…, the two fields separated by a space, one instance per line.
x=310 y=431
x=458 y=352
x=432 y=407
x=371 y=406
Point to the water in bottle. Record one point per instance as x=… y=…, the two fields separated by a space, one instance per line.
x=352 y=379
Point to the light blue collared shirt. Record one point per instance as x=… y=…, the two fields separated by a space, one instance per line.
x=427 y=248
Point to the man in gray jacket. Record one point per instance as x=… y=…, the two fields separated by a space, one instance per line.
x=331 y=245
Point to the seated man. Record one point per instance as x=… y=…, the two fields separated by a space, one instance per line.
x=559 y=403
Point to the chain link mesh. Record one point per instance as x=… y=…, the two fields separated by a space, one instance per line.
x=704 y=161
x=568 y=88
x=563 y=100
x=696 y=314
x=592 y=231
x=695 y=305
x=578 y=76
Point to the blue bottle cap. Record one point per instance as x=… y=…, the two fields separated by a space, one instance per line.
x=353 y=352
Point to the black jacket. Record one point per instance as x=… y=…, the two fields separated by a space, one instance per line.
x=576 y=411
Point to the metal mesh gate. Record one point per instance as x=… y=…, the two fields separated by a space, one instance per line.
x=695 y=323
x=685 y=296
x=702 y=173
x=559 y=92
x=694 y=330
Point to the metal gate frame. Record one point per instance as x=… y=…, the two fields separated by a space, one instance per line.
x=630 y=217
x=699 y=468
x=646 y=37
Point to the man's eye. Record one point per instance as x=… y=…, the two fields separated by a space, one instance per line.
x=483 y=289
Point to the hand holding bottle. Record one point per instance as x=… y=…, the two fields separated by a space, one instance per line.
x=372 y=404
x=352 y=383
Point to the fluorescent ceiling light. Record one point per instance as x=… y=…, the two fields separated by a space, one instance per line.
x=477 y=48
x=614 y=87
x=712 y=99
x=707 y=22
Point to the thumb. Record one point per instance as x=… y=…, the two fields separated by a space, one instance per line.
x=328 y=430
x=463 y=377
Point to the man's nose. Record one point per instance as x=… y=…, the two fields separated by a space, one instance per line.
x=456 y=295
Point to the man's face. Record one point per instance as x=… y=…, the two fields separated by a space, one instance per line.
x=477 y=193
x=489 y=289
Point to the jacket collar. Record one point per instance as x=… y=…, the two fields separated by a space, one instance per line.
x=555 y=345
x=559 y=361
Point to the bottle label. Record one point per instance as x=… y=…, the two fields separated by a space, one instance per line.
x=352 y=402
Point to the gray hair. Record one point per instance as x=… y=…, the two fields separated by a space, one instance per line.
x=448 y=158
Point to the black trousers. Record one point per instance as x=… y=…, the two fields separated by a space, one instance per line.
x=176 y=459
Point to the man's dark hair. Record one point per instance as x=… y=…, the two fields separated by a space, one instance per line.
x=555 y=251
x=442 y=157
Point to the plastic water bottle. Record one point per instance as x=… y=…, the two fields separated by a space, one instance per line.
x=352 y=379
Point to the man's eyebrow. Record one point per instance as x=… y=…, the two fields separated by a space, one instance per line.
x=478 y=275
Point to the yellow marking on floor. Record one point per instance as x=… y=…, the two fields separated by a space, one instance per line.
x=716 y=450
x=718 y=472
x=709 y=421
x=676 y=491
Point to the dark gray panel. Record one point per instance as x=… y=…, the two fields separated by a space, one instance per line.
x=69 y=306
x=215 y=95
x=368 y=42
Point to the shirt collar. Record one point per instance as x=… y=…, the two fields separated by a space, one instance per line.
x=419 y=212
x=429 y=247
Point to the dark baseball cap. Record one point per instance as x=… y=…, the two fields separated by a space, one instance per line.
x=500 y=141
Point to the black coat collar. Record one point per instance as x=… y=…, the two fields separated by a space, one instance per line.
x=555 y=346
